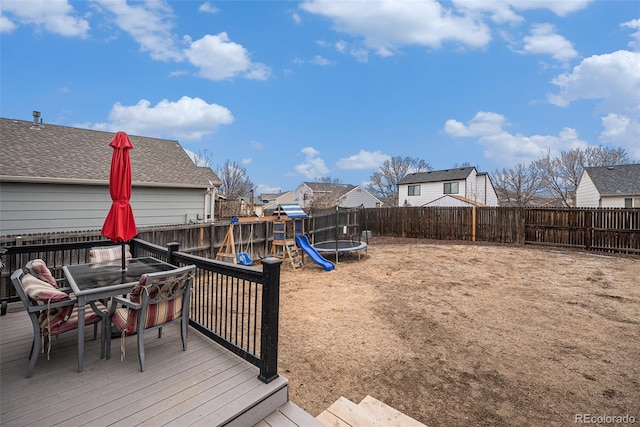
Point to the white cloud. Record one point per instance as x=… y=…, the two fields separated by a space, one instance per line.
x=208 y=7
x=54 y=16
x=188 y=118
x=503 y=11
x=387 y=25
x=256 y=145
x=6 y=26
x=560 y=8
x=544 y=40
x=622 y=131
x=149 y=24
x=313 y=166
x=635 y=24
x=363 y=160
x=508 y=149
x=320 y=60
x=219 y=58
x=246 y=161
x=613 y=78
x=296 y=17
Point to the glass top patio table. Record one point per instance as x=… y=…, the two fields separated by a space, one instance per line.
x=92 y=278
x=91 y=282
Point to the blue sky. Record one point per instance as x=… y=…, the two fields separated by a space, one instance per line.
x=298 y=90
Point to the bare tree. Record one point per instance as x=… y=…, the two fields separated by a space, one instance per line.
x=235 y=182
x=561 y=174
x=384 y=183
x=518 y=186
x=203 y=157
x=329 y=180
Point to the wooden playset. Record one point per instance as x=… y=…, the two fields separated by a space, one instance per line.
x=288 y=223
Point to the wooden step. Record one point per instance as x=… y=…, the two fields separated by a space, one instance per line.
x=370 y=412
x=393 y=417
x=350 y=414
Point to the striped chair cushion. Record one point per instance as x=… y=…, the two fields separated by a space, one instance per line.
x=157 y=313
x=43 y=272
x=59 y=327
x=126 y=319
x=43 y=293
x=108 y=254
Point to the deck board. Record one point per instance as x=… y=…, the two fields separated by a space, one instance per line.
x=178 y=387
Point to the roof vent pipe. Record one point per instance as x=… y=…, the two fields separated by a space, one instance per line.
x=36 y=124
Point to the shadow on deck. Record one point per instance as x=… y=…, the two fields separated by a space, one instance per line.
x=206 y=385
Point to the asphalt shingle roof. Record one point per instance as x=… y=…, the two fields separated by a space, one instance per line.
x=615 y=180
x=437 y=176
x=56 y=153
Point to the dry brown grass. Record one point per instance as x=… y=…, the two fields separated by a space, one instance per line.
x=456 y=334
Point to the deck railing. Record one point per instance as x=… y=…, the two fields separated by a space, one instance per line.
x=234 y=305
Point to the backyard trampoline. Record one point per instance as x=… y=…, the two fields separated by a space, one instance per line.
x=340 y=246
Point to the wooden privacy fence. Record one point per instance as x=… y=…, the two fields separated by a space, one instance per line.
x=597 y=229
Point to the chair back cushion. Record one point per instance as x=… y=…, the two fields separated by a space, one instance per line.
x=164 y=303
x=108 y=254
x=41 y=293
x=42 y=272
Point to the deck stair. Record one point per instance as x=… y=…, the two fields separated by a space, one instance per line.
x=370 y=412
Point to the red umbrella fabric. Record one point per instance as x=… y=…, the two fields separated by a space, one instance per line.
x=120 y=226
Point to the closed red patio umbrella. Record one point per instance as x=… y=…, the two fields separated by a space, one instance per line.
x=120 y=225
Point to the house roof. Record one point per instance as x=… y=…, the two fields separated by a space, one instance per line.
x=336 y=190
x=437 y=176
x=333 y=191
x=273 y=196
x=615 y=180
x=457 y=197
x=61 y=154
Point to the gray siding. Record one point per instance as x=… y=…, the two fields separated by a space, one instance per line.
x=358 y=197
x=39 y=208
x=587 y=194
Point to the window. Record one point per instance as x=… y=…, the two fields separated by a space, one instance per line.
x=414 y=190
x=450 y=188
x=628 y=203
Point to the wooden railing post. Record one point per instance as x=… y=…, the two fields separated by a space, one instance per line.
x=172 y=247
x=270 y=315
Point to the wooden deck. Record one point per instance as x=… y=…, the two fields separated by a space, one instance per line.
x=204 y=386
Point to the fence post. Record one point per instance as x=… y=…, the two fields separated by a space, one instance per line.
x=172 y=247
x=588 y=228
x=270 y=315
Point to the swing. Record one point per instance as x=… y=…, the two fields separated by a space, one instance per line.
x=243 y=257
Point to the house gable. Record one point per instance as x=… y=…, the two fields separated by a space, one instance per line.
x=422 y=188
x=322 y=195
x=609 y=186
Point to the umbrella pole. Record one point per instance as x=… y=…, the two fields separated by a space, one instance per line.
x=124 y=256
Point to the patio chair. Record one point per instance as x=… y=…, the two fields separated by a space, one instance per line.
x=38 y=268
x=51 y=311
x=108 y=254
x=157 y=299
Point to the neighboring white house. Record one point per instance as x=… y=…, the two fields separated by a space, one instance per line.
x=609 y=187
x=449 y=187
x=271 y=201
x=56 y=179
x=321 y=195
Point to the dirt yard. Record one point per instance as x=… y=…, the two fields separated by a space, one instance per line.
x=455 y=334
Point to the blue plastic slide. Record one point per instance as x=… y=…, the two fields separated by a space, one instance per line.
x=303 y=243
